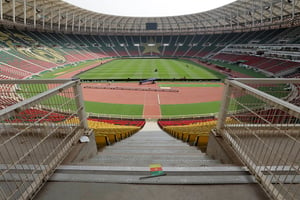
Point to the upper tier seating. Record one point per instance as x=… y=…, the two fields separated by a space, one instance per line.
x=271 y=65
x=33 y=52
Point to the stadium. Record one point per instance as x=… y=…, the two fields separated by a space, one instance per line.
x=195 y=106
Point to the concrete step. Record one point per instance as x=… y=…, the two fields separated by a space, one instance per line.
x=153 y=156
x=143 y=163
x=166 y=180
x=156 y=144
x=150 y=146
x=149 y=149
x=143 y=160
x=153 y=150
x=150 y=138
x=136 y=175
x=152 y=143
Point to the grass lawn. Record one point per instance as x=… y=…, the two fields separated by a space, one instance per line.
x=30 y=90
x=58 y=101
x=242 y=70
x=64 y=70
x=150 y=68
x=118 y=109
x=188 y=109
x=250 y=101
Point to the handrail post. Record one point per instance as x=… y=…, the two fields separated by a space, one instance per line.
x=80 y=105
x=224 y=106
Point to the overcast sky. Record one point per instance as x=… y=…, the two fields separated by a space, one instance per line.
x=149 y=8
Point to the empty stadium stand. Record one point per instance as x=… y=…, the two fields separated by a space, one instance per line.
x=194 y=132
x=32 y=52
x=108 y=133
x=135 y=122
x=268 y=65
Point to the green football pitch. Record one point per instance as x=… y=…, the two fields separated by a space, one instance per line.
x=150 y=68
x=144 y=69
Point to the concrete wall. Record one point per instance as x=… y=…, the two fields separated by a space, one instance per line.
x=82 y=151
x=218 y=149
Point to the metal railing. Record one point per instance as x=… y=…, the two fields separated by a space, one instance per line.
x=34 y=137
x=151 y=117
x=264 y=131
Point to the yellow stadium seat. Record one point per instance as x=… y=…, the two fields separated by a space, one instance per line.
x=195 y=134
x=106 y=133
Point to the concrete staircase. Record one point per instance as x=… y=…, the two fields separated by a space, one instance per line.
x=116 y=172
x=151 y=146
x=128 y=160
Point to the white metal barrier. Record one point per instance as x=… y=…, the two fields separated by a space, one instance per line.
x=260 y=119
x=34 y=133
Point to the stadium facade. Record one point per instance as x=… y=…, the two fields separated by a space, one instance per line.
x=243 y=15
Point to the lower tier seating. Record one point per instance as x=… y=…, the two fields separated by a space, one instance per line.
x=108 y=133
x=195 y=134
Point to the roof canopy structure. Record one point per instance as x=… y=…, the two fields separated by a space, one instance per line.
x=57 y=15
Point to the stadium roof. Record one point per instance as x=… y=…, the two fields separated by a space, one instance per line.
x=61 y=16
x=146 y=8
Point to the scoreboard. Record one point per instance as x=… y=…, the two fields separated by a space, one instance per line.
x=151 y=26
